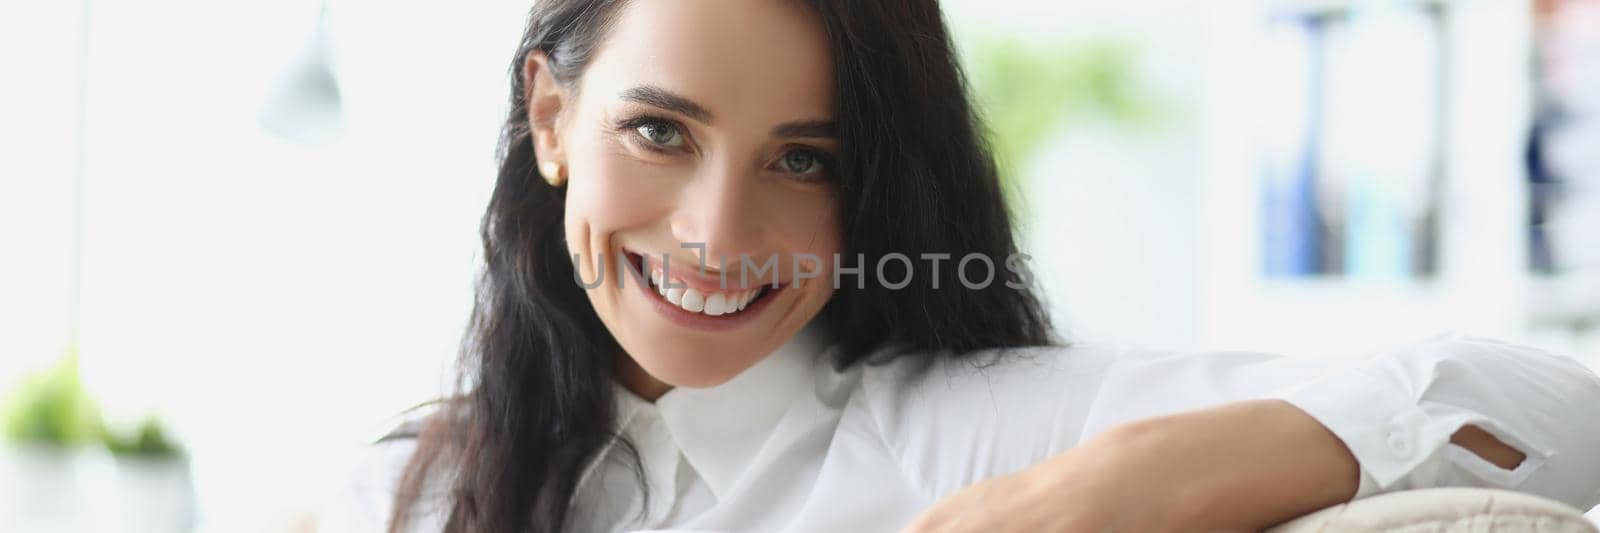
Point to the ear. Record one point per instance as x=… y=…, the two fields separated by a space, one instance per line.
x=545 y=99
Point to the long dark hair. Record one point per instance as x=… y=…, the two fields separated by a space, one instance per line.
x=915 y=177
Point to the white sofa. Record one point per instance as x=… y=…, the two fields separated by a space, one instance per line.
x=1452 y=510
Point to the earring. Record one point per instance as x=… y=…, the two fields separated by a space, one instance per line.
x=553 y=173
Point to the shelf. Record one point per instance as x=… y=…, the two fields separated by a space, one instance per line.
x=1325 y=8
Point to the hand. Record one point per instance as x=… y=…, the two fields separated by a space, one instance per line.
x=1237 y=467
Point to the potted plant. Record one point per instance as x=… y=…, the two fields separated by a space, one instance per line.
x=52 y=460
x=56 y=473
x=154 y=488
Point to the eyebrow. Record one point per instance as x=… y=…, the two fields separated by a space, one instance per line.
x=664 y=99
x=819 y=129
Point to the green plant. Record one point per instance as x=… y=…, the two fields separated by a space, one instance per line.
x=53 y=409
x=1027 y=91
x=149 y=439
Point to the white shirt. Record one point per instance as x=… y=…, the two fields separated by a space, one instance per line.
x=793 y=445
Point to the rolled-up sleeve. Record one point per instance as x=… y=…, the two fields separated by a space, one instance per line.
x=1398 y=409
x=1397 y=412
x=958 y=422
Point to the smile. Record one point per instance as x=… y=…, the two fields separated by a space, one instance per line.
x=709 y=303
x=698 y=302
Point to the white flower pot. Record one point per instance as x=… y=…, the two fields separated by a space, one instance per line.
x=155 y=494
x=46 y=489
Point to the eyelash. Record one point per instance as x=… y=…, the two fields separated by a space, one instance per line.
x=826 y=160
x=629 y=127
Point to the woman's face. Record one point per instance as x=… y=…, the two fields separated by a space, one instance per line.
x=705 y=123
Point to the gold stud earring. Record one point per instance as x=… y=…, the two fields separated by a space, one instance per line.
x=553 y=173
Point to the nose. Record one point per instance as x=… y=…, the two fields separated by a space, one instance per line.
x=719 y=209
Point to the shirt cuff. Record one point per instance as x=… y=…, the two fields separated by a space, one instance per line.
x=1379 y=420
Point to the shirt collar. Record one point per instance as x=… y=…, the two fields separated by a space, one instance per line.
x=721 y=429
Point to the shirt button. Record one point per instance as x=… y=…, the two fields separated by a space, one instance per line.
x=1399 y=444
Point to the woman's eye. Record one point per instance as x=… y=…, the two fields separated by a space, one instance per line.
x=802 y=162
x=660 y=133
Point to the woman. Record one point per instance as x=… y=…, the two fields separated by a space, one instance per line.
x=851 y=371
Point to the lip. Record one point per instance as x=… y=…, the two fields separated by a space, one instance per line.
x=701 y=321
x=690 y=275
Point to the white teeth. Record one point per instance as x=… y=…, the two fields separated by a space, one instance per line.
x=717 y=304
x=694 y=301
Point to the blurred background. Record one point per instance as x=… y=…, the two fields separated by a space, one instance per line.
x=237 y=238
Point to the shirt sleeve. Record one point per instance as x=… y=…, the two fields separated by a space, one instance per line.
x=1397 y=410
x=953 y=421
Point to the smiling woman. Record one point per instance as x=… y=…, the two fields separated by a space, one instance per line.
x=725 y=124
x=829 y=136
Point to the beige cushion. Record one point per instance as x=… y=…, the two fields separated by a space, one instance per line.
x=1444 y=510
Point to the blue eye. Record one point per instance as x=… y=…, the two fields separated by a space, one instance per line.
x=660 y=133
x=802 y=162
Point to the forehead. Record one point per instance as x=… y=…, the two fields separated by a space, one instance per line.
x=743 y=60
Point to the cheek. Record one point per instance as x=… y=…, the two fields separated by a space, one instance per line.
x=805 y=222
x=609 y=192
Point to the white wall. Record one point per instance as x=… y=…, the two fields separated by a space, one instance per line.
x=40 y=122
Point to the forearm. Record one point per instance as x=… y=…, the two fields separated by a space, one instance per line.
x=1236 y=467
x=1260 y=462
x=1251 y=464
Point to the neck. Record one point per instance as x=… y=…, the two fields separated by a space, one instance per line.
x=636 y=380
